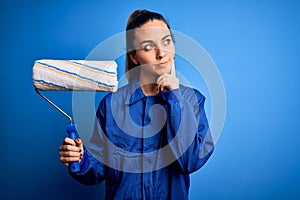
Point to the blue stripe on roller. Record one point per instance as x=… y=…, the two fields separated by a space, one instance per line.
x=101 y=70
x=74 y=74
x=51 y=84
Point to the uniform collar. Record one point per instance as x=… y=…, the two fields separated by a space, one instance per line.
x=135 y=93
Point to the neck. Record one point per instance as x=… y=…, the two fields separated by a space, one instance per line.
x=150 y=89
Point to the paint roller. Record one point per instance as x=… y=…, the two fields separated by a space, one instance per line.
x=73 y=75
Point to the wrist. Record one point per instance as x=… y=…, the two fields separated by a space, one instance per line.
x=173 y=95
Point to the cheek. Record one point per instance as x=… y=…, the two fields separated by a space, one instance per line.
x=171 y=52
x=146 y=57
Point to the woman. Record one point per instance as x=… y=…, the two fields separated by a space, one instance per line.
x=151 y=113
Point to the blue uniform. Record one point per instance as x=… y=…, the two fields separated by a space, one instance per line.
x=145 y=147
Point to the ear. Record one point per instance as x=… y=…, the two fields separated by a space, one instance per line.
x=132 y=55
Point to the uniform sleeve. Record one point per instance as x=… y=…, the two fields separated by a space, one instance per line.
x=188 y=132
x=92 y=171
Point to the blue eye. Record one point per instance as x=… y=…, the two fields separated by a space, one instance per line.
x=167 y=41
x=148 y=47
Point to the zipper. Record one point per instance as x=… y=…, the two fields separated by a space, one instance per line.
x=142 y=150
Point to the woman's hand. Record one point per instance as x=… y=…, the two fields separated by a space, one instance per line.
x=168 y=81
x=70 y=151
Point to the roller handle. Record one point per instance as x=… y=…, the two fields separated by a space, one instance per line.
x=72 y=133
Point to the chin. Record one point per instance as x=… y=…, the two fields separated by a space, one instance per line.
x=165 y=70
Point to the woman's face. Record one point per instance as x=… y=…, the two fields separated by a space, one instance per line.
x=154 y=48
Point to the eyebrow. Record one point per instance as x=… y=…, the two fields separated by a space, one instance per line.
x=149 y=41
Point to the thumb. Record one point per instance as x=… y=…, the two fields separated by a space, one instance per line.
x=78 y=142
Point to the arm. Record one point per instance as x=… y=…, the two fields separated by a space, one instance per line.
x=187 y=120
x=92 y=171
x=188 y=133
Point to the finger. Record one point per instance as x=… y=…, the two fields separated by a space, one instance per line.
x=69 y=148
x=78 y=142
x=67 y=160
x=162 y=77
x=63 y=160
x=160 y=85
x=69 y=141
x=66 y=154
x=167 y=82
x=173 y=72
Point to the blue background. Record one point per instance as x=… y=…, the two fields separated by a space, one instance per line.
x=255 y=45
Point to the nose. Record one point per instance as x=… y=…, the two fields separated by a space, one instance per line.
x=160 y=53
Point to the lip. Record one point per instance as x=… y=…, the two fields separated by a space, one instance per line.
x=163 y=64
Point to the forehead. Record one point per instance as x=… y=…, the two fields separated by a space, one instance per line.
x=152 y=30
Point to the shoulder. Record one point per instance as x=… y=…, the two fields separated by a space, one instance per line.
x=114 y=97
